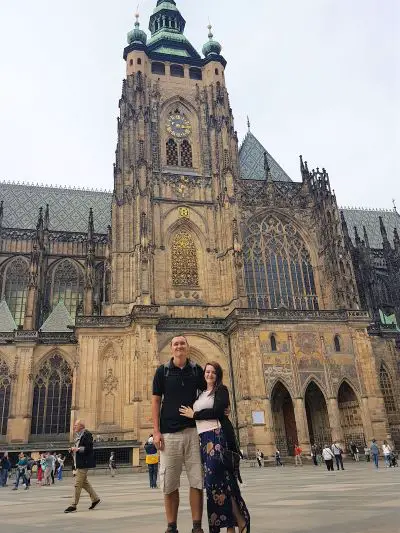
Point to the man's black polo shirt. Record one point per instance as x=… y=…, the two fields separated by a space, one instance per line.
x=177 y=387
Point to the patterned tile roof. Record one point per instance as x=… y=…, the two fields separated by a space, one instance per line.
x=370 y=219
x=251 y=156
x=7 y=323
x=69 y=208
x=58 y=320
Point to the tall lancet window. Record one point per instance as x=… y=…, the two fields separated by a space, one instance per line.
x=185 y=268
x=278 y=266
x=15 y=288
x=67 y=286
x=186 y=154
x=172 y=153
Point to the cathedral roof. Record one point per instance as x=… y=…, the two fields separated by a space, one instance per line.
x=58 y=320
x=370 y=219
x=7 y=323
x=69 y=208
x=252 y=162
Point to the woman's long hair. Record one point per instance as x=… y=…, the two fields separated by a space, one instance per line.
x=219 y=375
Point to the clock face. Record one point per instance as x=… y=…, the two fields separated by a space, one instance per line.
x=179 y=126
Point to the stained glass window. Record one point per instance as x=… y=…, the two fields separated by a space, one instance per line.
x=172 y=153
x=52 y=396
x=5 y=394
x=337 y=343
x=15 y=289
x=387 y=390
x=185 y=269
x=278 y=266
x=68 y=285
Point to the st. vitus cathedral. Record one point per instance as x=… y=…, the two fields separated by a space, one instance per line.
x=298 y=300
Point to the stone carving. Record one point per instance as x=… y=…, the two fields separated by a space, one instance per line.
x=185 y=269
x=110 y=382
x=272 y=372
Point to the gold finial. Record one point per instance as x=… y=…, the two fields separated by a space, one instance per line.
x=210 y=33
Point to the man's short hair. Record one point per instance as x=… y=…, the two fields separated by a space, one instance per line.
x=179 y=336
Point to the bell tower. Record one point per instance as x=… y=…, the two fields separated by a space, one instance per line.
x=175 y=235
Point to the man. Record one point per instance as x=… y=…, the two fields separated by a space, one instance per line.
x=22 y=466
x=112 y=465
x=51 y=461
x=175 y=384
x=84 y=460
x=375 y=453
x=151 y=461
x=5 y=467
x=297 y=455
x=260 y=458
x=337 y=451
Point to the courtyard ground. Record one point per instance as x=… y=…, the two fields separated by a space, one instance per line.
x=284 y=500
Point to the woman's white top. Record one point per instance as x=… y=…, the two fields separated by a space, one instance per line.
x=327 y=454
x=387 y=450
x=205 y=401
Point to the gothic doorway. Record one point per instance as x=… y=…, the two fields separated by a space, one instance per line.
x=350 y=416
x=317 y=416
x=285 y=428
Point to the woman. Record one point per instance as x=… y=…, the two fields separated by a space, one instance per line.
x=387 y=452
x=61 y=461
x=225 y=505
x=328 y=456
x=151 y=461
x=5 y=467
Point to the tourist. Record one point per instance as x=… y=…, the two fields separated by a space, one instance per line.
x=375 y=453
x=297 y=455
x=314 y=454
x=328 y=456
x=225 y=505
x=29 y=470
x=51 y=461
x=151 y=461
x=84 y=460
x=5 y=467
x=47 y=467
x=319 y=454
x=112 y=465
x=387 y=452
x=22 y=466
x=338 y=453
x=260 y=458
x=278 y=460
x=367 y=453
x=39 y=475
x=354 y=452
x=175 y=384
x=61 y=461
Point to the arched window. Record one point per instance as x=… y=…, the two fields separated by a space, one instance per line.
x=273 y=343
x=387 y=390
x=195 y=73
x=52 y=396
x=177 y=71
x=337 y=343
x=15 y=288
x=5 y=395
x=158 y=68
x=382 y=293
x=278 y=267
x=185 y=269
x=186 y=154
x=172 y=153
x=68 y=286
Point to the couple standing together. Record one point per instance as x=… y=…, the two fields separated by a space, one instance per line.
x=191 y=429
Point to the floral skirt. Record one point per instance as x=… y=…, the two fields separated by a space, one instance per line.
x=221 y=486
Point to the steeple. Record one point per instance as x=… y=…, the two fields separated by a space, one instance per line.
x=137 y=35
x=212 y=47
x=396 y=240
x=366 y=239
x=383 y=233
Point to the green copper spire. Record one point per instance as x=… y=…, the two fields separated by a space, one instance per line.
x=137 y=35
x=211 y=47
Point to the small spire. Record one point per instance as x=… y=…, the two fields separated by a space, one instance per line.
x=1 y=212
x=39 y=225
x=210 y=33
x=267 y=168
x=47 y=217
x=396 y=240
x=394 y=205
x=357 y=237
x=248 y=124
x=345 y=229
x=366 y=239
x=90 y=226
x=137 y=15
x=383 y=231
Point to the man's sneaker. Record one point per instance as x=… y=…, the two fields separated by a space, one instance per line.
x=15 y=488
x=70 y=509
x=94 y=504
x=198 y=530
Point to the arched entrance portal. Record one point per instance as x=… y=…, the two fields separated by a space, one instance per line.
x=317 y=416
x=284 y=419
x=350 y=416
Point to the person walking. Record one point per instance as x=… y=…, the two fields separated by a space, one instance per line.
x=260 y=458
x=61 y=461
x=387 y=452
x=47 y=468
x=297 y=455
x=338 y=453
x=375 y=453
x=278 y=459
x=367 y=453
x=355 y=452
x=51 y=461
x=225 y=505
x=84 y=460
x=22 y=466
x=328 y=456
x=314 y=454
x=5 y=467
x=112 y=465
x=175 y=384
x=151 y=461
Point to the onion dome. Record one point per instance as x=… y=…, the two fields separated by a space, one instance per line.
x=137 y=35
x=211 y=47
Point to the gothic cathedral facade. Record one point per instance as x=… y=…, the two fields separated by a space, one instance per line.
x=262 y=274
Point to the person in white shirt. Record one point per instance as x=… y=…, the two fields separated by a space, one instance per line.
x=387 y=452
x=328 y=456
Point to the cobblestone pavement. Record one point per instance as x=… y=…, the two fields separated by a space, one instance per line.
x=289 y=500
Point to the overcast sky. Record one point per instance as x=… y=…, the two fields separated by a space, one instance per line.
x=317 y=77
